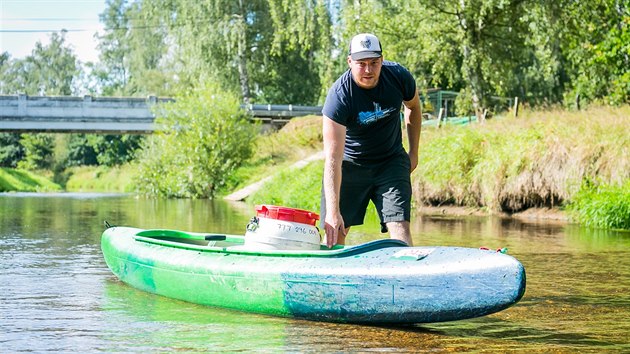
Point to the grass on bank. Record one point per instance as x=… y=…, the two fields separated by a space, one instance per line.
x=539 y=159
x=116 y=179
x=293 y=188
x=276 y=151
x=25 y=181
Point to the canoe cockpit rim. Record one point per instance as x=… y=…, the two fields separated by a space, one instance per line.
x=237 y=247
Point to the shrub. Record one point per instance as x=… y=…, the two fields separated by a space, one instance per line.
x=204 y=137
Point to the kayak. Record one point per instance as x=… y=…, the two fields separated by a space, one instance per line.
x=382 y=281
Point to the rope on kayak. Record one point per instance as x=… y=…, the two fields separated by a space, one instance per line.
x=499 y=250
x=108 y=225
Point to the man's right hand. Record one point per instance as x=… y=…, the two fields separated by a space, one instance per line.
x=335 y=229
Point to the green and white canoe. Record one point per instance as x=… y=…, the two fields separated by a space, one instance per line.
x=382 y=281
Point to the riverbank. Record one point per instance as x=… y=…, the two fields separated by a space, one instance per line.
x=531 y=214
x=92 y=179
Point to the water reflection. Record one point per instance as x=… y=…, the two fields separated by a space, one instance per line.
x=56 y=293
x=165 y=323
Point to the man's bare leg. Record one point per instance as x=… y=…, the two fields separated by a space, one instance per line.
x=399 y=230
x=341 y=237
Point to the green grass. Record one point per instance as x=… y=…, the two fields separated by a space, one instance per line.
x=603 y=206
x=14 y=180
x=118 y=179
x=294 y=188
x=274 y=152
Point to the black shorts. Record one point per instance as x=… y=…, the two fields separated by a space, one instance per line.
x=387 y=185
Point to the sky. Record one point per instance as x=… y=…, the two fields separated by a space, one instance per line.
x=25 y=22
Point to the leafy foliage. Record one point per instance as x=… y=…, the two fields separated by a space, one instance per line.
x=80 y=152
x=112 y=150
x=205 y=137
x=538 y=51
x=596 y=42
x=246 y=46
x=38 y=151
x=11 y=152
x=131 y=51
x=49 y=70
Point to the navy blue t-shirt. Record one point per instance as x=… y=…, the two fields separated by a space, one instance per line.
x=371 y=117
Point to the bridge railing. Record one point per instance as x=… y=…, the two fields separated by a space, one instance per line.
x=22 y=113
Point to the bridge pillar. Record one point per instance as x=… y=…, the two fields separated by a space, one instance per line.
x=22 y=105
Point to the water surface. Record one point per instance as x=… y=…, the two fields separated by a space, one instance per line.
x=57 y=294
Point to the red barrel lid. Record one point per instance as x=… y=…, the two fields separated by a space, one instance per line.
x=286 y=214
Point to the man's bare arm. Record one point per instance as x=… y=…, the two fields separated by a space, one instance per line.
x=413 y=121
x=334 y=140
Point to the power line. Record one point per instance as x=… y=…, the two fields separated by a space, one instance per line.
x=163 y=26
x=44 y=19
x=43 y=31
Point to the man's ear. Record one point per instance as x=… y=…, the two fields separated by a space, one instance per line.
x=349 y=60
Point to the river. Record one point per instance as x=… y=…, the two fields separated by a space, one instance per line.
x=57 y=294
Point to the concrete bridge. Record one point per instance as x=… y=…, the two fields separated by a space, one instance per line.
x=111 y=115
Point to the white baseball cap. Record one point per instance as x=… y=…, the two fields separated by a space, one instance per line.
x=364 y=46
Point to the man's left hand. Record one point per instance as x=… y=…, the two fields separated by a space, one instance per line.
x=413 y=159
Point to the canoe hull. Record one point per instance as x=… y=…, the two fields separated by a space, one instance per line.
x=383 y=285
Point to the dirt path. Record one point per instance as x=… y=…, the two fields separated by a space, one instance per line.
x=243 y=193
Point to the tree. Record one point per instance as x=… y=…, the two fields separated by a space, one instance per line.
x=114 y=150
x=38 y=151
x=206 y=136
x=132 y=50
x=219 y=51
x=49 y=70
x=79 y=152
x=11 y=151
x=596 y=44
x=266 y=50
x=302 y=41
x=474 y=45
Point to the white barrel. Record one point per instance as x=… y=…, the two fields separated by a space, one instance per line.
x=273 y=234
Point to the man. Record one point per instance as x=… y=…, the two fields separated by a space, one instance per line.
x=365 y=158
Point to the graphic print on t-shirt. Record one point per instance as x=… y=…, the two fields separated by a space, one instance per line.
x=366 y=118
